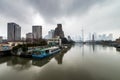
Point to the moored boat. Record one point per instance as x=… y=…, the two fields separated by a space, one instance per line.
x=40 y=54
x=5 y=53
x=26 y=55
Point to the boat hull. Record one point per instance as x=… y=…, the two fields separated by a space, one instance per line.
x=5 y=53
x=26 y=55
x=45 y=55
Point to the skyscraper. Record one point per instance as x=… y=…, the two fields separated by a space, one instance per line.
x=58 y=31
x=93 y=38
x=1 y=39
x=51 y=34
x=29 y=37
x=14 y=32
x=37 y=32
x=69 y=38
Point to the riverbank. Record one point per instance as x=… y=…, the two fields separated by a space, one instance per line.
x=106 y=43
x=26 y=52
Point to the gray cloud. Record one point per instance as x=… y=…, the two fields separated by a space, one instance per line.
x=16 y=9
x=96 y=15
x=51 y=9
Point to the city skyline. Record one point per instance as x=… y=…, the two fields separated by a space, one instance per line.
x=101 y=16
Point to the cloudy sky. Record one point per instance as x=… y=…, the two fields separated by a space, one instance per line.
x=100 y=16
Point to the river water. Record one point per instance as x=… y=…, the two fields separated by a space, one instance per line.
x=81 y=62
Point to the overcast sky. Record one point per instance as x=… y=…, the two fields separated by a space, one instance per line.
x=100 y=16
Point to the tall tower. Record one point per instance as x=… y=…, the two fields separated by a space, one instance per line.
x=13 y=32
x=51 y=34
x=1 y=39
x=29 y=37
x=37 y=32
x=58 y=31
x=93 y=38
x=82 y=35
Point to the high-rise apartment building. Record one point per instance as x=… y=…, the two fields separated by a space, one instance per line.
x=14 y=32
x=29 y=36
x=51 y=34
x=58 y=31
x=37 y=32
x=1 y=39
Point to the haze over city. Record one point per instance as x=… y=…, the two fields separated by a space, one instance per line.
x=100 y=16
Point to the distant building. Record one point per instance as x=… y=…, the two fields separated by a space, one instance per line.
x=9 y=45
x=118 y=40
x=14 y=32
x=15 y=43
x=89 y=37
x=23 y=39
x=69 y=38
x=1 y=39
x=54 y=41
x=37 y=32
x=29 y=37
x=99 y=37
x=46 y=37
x=50 y=34
x=93 y=38
x=59 y=31
x=105 y=37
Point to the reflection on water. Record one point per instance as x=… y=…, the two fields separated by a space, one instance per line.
x=4 y=59
x=40 y=63
x=118 y=49
x=22 y=63
x=19 y=63
x=60 y=56
x=81 y=62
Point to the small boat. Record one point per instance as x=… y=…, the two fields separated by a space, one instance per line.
x=40 y=54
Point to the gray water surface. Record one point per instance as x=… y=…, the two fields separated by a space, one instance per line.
x=81 y=62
